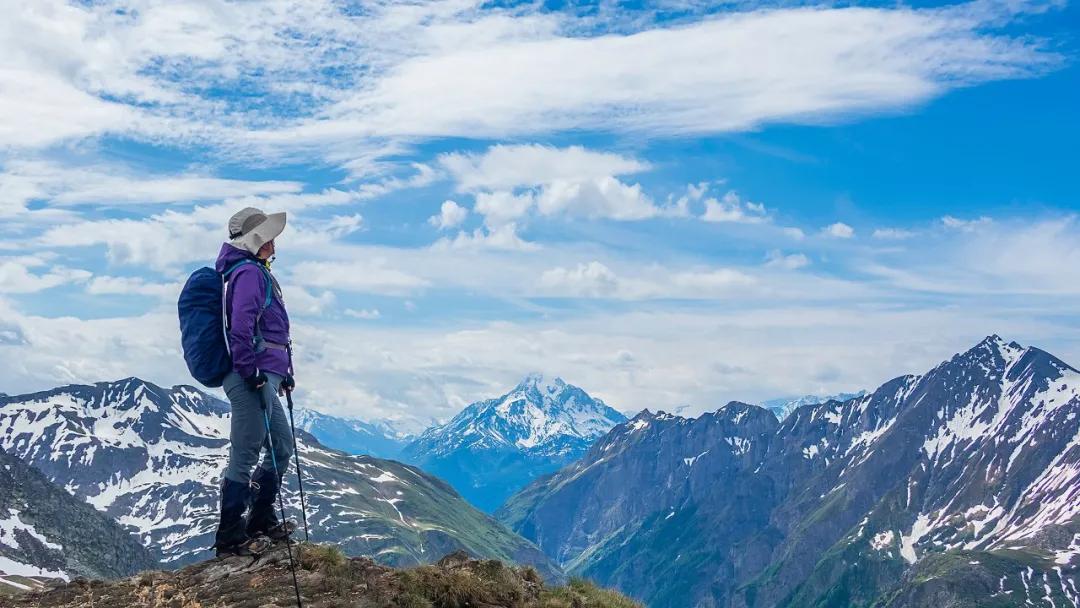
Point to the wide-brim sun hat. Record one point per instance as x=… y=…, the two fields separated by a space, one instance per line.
x=250 y=228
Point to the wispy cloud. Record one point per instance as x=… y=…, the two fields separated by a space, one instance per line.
x=449 y=69
x=732 y=208
x=505 y=167
x=17 y=275
x=893 y=234
x=965 y=225
x=791 y=261
x=839 y=230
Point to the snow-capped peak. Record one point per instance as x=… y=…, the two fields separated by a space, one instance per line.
x=539 y=382
x=537 y=415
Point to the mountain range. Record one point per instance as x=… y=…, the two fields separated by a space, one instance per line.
x=785 y=405
x=956 y=487
x=150 y=458
x=495 y=447
x=353 y=436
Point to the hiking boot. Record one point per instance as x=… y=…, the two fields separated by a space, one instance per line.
x=263 y=518
x=231 y=529
x=282 y=531
x=253 y=547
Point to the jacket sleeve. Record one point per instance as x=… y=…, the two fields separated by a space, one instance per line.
x=247 y=290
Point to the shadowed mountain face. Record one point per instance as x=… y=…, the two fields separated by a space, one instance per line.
x=47 y=533
x=958 y=487
x=152 y=457
x=495 y=447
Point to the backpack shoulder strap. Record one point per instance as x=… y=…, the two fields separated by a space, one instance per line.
x=266 y=279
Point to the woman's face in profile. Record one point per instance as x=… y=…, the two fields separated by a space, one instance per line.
x=266 y=250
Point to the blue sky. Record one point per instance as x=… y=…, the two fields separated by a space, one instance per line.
x=670 y=204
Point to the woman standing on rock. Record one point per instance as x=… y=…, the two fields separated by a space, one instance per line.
x=257 y=327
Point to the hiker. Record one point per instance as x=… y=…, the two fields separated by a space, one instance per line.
x=257 y=328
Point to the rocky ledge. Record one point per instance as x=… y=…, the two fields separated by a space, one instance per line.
x=327 y=579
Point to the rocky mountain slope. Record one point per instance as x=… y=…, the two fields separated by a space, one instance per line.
x=151 y=458
x=45 y=533
x=497 y=446
x=957 y=487
x=785 y=405
x=327 y=579
x=352 y=435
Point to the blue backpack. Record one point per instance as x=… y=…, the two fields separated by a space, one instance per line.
x=203 y=322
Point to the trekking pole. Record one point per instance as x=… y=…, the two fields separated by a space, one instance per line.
x=296 y=451
x=299 y=476
x=281 y=502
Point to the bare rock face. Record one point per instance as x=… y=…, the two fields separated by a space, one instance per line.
x=327 y=579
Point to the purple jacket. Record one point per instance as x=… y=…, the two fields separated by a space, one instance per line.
x=244 y=297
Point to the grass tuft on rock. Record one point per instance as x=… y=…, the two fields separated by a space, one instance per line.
x=581 y=593
x=321 y=558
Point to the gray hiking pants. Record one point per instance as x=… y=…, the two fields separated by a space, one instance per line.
x=247 y=436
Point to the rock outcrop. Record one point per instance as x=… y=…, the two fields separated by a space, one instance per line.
x=327 y=579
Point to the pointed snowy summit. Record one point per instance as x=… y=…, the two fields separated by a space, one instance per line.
x=496 y=446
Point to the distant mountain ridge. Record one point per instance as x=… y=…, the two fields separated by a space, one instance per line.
x=958 y=487
x=496 y=446
x=785 y=405
x=151 y=457
x=352 y=435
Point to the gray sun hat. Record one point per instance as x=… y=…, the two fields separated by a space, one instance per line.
x=250 y=228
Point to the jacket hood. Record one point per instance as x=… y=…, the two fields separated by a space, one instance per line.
x=230 y=255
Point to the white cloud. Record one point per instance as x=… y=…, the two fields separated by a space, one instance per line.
x=342 y=225
x=501 y=238
x=16 y=276
x=794 y=261
x=172 y=238
x=597 y=280
x=675 y=361
x=795 y=233
x=1001 y=259
x=450 y=215
x=592 y=279
x=512 y=181
x=459 y=69
x=894 y=234
x=795 y=65
x=303 y=302
x=368 y=314
x=359 y=276
x=502 y=207
x=160 y=242
x=965 y=225
x=716 y=283
x=102 y=285
x=838 y=230
x=732 y=208
x=22 y=181
x=506 y=167
x=605 y=197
